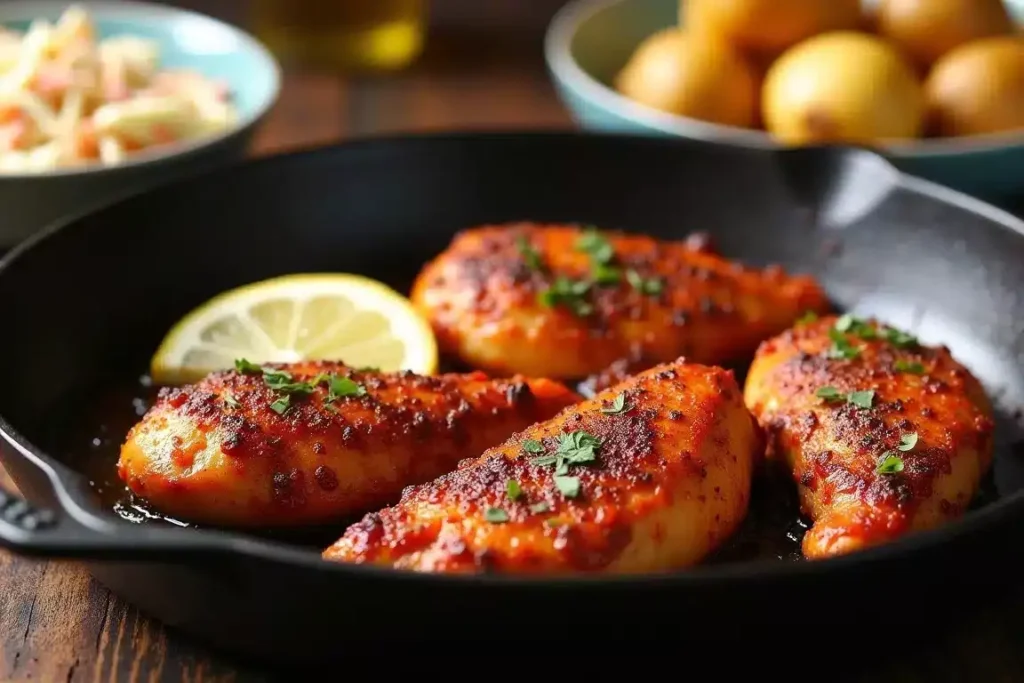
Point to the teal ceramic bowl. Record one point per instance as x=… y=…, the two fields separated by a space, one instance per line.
x=589 y=41
x=30 y=201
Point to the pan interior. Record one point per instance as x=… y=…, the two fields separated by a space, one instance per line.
x=86 y=306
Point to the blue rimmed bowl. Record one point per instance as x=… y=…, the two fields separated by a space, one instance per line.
x=30 y=201
x=589 y=41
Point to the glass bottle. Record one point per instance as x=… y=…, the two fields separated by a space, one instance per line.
x=344 y=34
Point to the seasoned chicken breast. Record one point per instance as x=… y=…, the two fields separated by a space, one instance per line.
x=883 y=435
x=566 y=302
x=314 y=442
x=652 y=474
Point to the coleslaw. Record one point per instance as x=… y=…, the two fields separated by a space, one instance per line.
x=69 y=99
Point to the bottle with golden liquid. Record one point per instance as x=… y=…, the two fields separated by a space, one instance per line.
x=344 y=34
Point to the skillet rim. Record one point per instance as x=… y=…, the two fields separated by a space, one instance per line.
x=190 y=543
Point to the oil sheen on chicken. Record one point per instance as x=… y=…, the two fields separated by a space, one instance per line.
x=882 y=435
x=652 y=474
x=566 y=302
x=259 y=448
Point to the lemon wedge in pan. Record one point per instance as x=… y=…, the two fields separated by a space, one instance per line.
x=303 y=317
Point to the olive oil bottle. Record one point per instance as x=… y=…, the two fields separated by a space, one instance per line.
x=351 y=35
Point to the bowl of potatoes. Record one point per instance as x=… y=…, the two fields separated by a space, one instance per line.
x=935 y=86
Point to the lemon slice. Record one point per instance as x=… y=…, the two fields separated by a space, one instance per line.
x=343 y=317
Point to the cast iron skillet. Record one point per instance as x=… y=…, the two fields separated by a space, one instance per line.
x=87 y=302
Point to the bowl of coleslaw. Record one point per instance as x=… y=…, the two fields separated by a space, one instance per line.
x=103 y=99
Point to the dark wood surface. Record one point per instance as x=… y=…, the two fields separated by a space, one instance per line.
x=57 y=624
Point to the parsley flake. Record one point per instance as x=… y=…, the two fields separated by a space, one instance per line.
x=540 y=507
x=889 y=463
x=898 y=338
x=246 y=367
x=340 y=387
x=593 y=243
x=513 y=489
x=282 y=382
x=533 y=446
x=602 y=257
x=496 y=515
x=649 y=286
x=861 y=399
x=913 y=367
x=568 y=486
x=841 y=346
x=830 y=393
x=282 y=404
x=807 y=318
x=908 y=441
x=530 y=255
x=604 y=274
x=567 y=293
x=854 y=325
x=231 y=402
x=618 y=406
x=574 y=448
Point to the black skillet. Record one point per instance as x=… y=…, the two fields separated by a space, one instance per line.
x=85 y=304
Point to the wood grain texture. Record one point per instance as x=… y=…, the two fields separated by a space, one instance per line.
x=57 y=624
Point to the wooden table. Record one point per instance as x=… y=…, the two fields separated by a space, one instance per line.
x=58 y=624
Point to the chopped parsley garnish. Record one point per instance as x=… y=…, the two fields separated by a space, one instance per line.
x=568 y=486
x=605 y=274
x=843 y=323
x=530 y=255
x=618 y=406
x=908 y=441
x=539 y=507
x=913 y=367
x=574 y=448
x=282 y=404
x=593 y=243
x=889 y=463
x=602 y=257
x=898 y=338
x=533 y=446
x=568 y=293
x=496 y=515
x=830 y=394
x=282 y=382
x=340 y=387
x=861 y=399
x=246 y=367
x=855 y=326
x=513 y=489
x=230 y=401
x=649 y=286
x=864 y=330
x=807 y=318
x=841 y=346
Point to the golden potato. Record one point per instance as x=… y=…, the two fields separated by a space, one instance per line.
x=978 y=88
x=768 y=26
x=842 y=87
x=701 y=78
x=927 y=29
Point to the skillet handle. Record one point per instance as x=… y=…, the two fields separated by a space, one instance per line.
x=29 y=530
x=33 y=531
